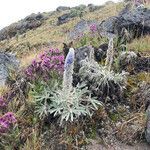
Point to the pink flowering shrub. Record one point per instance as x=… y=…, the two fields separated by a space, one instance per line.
x=47 y=65
x=6 y=121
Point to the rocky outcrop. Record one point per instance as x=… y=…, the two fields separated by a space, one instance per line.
x=129 y=24
x=30 y=22
x=7 y=62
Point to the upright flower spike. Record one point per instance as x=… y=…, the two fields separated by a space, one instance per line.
x=68 y=71
x=110 y=54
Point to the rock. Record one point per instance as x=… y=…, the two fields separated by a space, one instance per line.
x=62 y=8
x=93 y=7
x=133 y=63
x=129 y=24
x=142 y=64
x=74 y=12
x=30 y=22
x=7 y=62
x=100 y=52
x=83 y=52
x=64 y=18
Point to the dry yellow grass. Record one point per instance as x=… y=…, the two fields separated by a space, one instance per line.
x=142 y=45
x=3 y=90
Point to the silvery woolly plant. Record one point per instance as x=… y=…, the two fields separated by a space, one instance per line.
x=72 y=102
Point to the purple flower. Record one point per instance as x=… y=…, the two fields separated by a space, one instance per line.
x=47 y=62
x=70 y=58
x=6 y=121
x=93 y=28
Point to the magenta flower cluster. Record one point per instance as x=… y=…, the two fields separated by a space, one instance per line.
x=6 y=121
x=45 y=65
x=93 y=28
x=2 y=103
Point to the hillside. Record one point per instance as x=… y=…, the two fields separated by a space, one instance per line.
x=49 y=34
x=76 y=78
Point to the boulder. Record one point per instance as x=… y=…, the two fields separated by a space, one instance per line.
x=100 y=52
x=30 y=22
x=83 y=52
x=129 y=24
x=7 y=62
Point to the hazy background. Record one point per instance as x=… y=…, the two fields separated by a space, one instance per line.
x=14 y=10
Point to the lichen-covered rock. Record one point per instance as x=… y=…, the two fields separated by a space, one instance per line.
x=7 y=62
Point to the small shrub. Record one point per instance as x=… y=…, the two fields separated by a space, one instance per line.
x=49 y=65
x=6 y=121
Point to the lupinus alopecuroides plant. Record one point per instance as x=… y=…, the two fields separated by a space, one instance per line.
x=48 y=65
x=71 y=102
x=101 y=80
